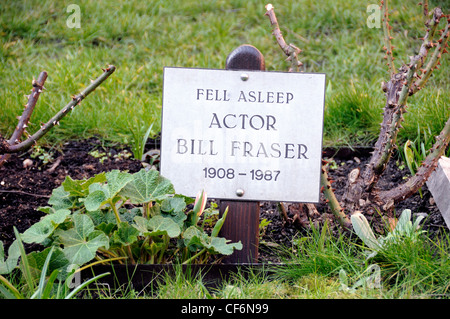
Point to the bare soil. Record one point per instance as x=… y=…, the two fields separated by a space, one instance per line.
x=25 y=185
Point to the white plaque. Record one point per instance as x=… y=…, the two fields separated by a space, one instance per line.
x=244 y=135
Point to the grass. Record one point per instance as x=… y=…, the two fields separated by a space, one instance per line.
x=321 y=265
x=140 y=38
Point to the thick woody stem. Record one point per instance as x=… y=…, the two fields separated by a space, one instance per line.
x=63 y=112
x=412 y=185
x=289 y=49
x=387 y=37
x=38 y=87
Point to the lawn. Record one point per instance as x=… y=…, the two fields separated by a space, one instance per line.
x=140 y=38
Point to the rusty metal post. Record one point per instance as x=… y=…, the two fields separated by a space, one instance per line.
x=242 y=222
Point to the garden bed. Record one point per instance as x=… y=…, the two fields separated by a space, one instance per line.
x=23 y=189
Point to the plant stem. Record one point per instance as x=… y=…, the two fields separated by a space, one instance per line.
x=290 y=50
x=5 y=148
x=116 y=213
x=393 y=196
x=387 y=38
x=38 y=87
x=195 y=256
x=328 y=192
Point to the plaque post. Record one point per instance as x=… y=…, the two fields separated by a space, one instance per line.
x=242 y=222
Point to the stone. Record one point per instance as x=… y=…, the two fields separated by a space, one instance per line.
x=439 y=186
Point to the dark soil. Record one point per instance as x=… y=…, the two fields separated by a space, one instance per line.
x=23 y=189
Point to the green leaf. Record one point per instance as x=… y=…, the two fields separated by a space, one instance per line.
x=164 y=226
x=125 y=234
x=194 y=239
x=409 y=156
x=100 y=194
x=363 y=230
x=41 y=230
x=219 y=224
x=82 y=241
x=80 y=188
x=174 y=204
x=6 y=266
x=147 y=186
x=156 y=226
x=36 y=261
x=60 y=199
x=220 y=245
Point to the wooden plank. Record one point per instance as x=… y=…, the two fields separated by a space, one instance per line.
x=242 y=222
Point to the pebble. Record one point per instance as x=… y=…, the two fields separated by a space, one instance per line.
x=27 y=163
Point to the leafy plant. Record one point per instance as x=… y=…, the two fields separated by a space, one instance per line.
x=39 y=152
x=404 y=228
x=54 y=286
x=139 y=140
x=134 y=218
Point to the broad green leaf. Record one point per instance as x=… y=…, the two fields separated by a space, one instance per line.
x=125 y=234
x=174 y=204
x=156 y=226
x=194 y=238
x=220 y=245
x=36 y=261
x=6 y=266
x=96 y=199
x=60 y=199
x=116 y=180
x=80 y=188
x=107 y=228
x=178 y=218
x=100 y=194
x=141 y=224
x=82 y=241
x=41 y=230
x=147 y=186
x=163 y=225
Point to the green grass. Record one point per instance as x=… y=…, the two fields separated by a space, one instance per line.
x=140 y=38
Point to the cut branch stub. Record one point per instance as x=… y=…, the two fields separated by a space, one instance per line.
x=290 y=50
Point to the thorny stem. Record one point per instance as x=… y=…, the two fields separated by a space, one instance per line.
x=38 y=87
x=434 y=61
x=398 y=89
x=415 y=182
x=290 y=50
x=387 y=38
x=55 y=119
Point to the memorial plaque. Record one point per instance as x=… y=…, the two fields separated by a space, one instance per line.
x=246 y=135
